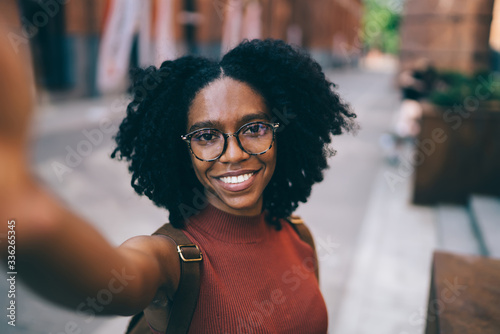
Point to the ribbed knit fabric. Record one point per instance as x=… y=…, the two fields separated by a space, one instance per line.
x=254 y=279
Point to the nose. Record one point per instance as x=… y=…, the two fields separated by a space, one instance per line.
x=233 y=152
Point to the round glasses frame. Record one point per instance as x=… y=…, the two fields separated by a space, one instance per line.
x=187 y=139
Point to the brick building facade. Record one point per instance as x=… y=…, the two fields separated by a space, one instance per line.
x=328 y=28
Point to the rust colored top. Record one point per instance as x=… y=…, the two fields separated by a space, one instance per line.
x=254 y=279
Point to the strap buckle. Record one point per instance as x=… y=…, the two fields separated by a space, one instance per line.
x=185 y=259
x=296 y=220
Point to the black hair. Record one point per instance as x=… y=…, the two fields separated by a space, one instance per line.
x=296 y=92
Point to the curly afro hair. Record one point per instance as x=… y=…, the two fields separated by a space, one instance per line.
x=294 y=88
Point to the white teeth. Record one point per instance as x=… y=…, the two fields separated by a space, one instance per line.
x=236 y=179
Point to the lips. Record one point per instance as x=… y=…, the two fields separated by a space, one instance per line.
x=238 y=172
x=237 y=180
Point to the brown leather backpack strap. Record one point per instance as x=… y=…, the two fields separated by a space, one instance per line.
x=306 y=236
x=138 y=325
x=186 y=297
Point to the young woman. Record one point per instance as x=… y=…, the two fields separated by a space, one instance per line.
x=229 y=148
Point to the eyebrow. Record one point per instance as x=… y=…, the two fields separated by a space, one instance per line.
x=218 y=125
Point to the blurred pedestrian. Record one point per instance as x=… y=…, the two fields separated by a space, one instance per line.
x=416 y=83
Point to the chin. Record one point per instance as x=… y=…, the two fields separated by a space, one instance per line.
x=243 y=203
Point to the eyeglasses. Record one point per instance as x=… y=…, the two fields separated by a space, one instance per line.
x=210 y=144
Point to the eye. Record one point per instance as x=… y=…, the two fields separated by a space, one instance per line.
x=205 y=136
x=257 y=129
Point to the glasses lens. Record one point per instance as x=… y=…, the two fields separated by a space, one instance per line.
x=207 y=144
x=256 y=137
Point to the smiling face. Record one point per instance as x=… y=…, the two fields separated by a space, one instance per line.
x=236 y=181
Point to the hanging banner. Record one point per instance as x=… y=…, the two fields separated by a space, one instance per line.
x=145 y=44
x=252 y=21
x=165 y=48
x=231 y=30
x=116 y=45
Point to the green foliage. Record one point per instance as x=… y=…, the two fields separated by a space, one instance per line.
x=381 y=25
x=454 y=88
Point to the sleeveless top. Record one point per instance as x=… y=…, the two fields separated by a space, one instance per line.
x=254 y=279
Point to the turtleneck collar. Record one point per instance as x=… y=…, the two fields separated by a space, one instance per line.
x=229 y=227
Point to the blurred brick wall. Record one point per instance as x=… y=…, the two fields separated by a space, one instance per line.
x=321 y=21
x=328 y=19
x=85 y=16
x=453 y=35
x=210 y=27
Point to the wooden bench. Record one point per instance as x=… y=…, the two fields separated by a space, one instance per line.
x=464 y=295
x=465 y=284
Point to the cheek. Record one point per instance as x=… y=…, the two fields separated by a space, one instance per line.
x=270 y=162
x=198 y=169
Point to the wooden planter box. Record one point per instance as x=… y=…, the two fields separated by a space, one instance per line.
x=457 y=154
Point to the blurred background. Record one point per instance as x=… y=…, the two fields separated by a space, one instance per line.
x=422 y=175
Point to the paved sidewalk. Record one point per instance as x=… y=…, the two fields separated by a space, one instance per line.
x=387 y=288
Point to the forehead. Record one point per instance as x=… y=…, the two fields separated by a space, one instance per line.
x=225 y=101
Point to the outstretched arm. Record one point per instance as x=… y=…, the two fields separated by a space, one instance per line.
x=57 y=253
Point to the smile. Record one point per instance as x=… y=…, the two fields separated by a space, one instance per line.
x=236 y=179
x=236 y=183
